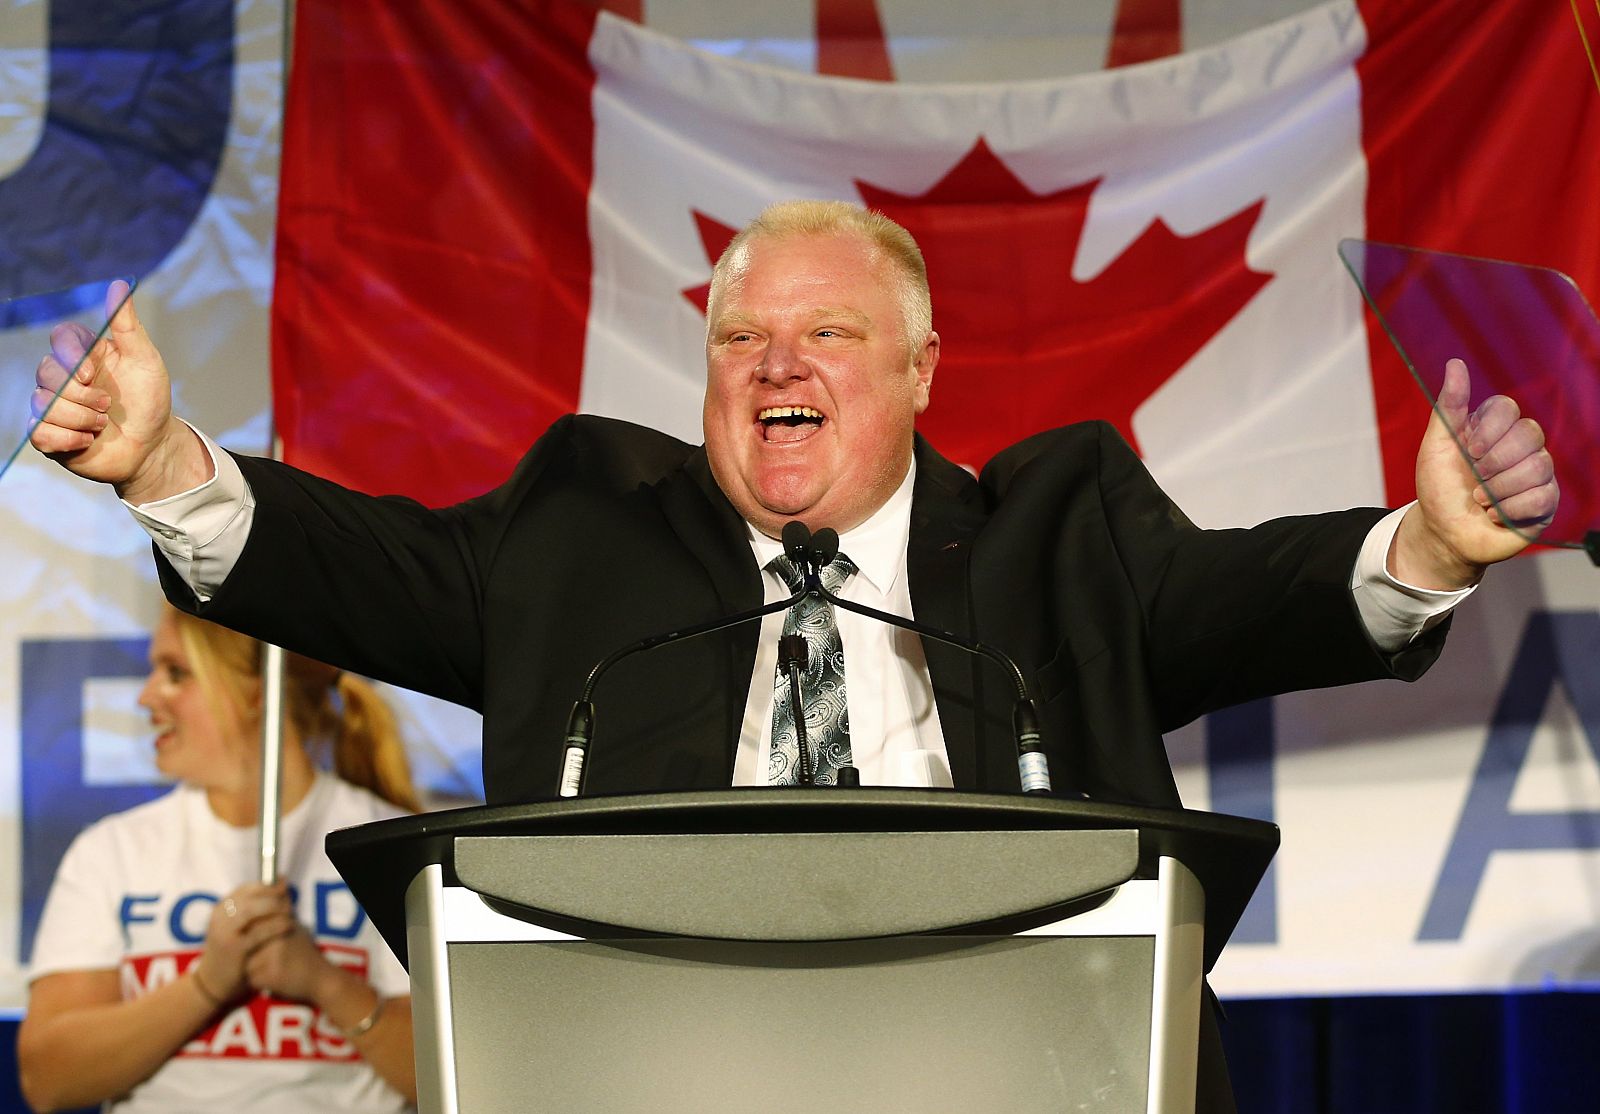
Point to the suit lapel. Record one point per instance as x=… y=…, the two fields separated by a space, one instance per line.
x=946 y=514
x=712 y=531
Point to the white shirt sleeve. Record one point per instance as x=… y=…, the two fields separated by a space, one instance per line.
x=78 y=930
x=202 y=531
x=1394 y=612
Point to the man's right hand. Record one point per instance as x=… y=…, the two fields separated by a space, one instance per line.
x=112 y=421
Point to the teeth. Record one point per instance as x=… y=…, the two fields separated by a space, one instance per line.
x=788 y=412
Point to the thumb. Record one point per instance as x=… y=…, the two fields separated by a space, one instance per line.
x=117 y=292
x=126 y=330
x=1449 y=420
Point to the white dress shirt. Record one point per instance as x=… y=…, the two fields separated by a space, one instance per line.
x=895 y=737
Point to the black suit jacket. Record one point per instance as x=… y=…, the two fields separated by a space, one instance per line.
x=1127 y=620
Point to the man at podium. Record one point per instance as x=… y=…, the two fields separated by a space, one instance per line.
x=820 y=353
x=1127 y=620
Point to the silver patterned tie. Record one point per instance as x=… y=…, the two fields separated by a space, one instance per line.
x=827 y=716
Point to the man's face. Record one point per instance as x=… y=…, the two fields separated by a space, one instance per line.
x=811 y=391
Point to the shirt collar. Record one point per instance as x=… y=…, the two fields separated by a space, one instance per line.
x=877 y=546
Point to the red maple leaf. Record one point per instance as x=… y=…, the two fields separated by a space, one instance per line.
x=1025 y=345
x=714 y=238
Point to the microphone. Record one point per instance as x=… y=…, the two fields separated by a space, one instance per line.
x=796 y=540
x=792 y=656
x=824 y=547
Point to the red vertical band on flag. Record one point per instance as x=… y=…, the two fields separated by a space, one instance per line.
x=850 y=40
x=433 y=256
x=1480 y=124
x=1145 y=30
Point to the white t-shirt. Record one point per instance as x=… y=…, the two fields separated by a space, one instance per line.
x=135 y=893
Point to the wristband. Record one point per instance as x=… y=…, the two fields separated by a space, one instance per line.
x=361 y=1027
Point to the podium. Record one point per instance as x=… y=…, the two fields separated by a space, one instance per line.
x=781 y=950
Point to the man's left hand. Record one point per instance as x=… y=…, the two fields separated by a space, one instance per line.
x=1456 y=530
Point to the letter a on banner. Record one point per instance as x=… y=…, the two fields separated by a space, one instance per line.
x=1556 y=646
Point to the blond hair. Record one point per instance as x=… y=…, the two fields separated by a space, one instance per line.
x=323 y=705
x=834 y=218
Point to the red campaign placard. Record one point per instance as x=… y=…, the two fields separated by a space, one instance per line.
x=262 y=1028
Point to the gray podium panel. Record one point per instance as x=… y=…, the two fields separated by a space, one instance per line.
x=796 y=885
x=1016 y=1024
x=840 y=951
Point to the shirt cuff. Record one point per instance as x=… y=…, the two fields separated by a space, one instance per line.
x=1395 y=613
x=202 y=531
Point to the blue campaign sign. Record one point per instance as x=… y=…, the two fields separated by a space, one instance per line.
x=56 y=802
x=1557 y=647
x=140 y=95
x=334 y=912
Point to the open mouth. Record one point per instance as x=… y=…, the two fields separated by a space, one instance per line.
x=789 y=423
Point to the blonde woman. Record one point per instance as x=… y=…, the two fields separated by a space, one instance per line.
x=161 y=978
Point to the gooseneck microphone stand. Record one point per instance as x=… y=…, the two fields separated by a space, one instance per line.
x=811 y=553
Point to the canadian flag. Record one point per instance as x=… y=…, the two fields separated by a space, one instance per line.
x=494 y=213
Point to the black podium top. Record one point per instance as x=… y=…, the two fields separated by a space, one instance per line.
x=1227 y=854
